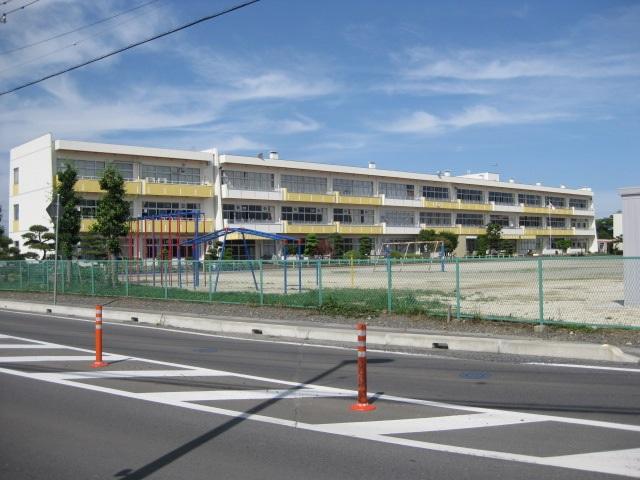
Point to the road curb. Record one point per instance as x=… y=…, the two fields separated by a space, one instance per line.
x=540 y=348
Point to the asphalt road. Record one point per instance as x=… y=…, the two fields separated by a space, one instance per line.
x=180 y=405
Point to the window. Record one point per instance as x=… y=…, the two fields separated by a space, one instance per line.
x=16 y=176
x=580 y=223
x=88 y=208
x=397 y=190
x=163 y=173
x=501 y=198
x=579 y=203
x=354 y=216
x=469 y=196
x=93 y=168
x=435 y=219
x=353 y=187
x=555 y=222
x=300 y=184
x=502 y=220
x=248 y=213
x=470 y=219
x=304 y=214
x=167 y=208
x=125 y=169
x=16 y=212
x=398 y=218
x=527 y=221
x=558 y=202
x=529 y=199
x=435 y=193
x=262 y=182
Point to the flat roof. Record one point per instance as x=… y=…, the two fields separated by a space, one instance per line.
x=71 y=145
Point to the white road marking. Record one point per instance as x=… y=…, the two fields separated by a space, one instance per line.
x=20 y=346
x=58 y=358
x=266 y=394
x=429 y=424
x=589 y=367
x=201 y=372
x=622 y=462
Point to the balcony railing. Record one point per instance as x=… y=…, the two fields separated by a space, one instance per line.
x=142 y=187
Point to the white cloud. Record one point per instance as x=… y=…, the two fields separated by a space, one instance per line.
x=426 y=123
x=298 y=124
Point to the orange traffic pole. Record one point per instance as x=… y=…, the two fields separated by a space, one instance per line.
x=363 y=404
x=99 y=363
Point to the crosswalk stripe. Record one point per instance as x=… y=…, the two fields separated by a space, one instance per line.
x=219 y=395
x=129 y=374
x=20 y=346
x=57 y=358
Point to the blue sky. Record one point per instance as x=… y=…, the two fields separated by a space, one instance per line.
x=540 y=91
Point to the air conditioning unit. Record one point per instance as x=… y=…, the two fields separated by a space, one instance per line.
x=163 y=180
x=150 y=180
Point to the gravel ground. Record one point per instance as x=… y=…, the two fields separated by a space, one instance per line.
x=625 y=338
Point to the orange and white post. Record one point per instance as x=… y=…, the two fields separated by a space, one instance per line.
x=362 y=404
x=99 y=363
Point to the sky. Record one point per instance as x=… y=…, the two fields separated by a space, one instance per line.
x=539 y=91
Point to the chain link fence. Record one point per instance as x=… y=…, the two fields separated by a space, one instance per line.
x=546 y=290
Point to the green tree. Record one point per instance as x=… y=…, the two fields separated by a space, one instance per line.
x=604 y=227
x=482 y=245
x=112 y=215
x=69 y=221
x=449 y=239
x=494 y=238
x=337 y=245
x=364 y=246
x=509 y=246
x=39 y=238
x=93 y=246
x=563 y=244
x=311 y=245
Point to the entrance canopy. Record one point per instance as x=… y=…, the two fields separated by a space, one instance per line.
x=237 y=230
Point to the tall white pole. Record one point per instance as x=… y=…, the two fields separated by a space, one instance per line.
x=55 y=260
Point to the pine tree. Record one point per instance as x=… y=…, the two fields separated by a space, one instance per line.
x=39 y=238
x=112 y=215
x=69 y=221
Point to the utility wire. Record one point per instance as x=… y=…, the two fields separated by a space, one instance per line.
x=101 y=31
x=22 y=7
x=132 y=45
x=97 y=22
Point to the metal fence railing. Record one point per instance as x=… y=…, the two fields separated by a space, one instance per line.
x=549 y=290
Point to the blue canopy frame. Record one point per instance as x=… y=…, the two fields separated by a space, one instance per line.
x=224 y=232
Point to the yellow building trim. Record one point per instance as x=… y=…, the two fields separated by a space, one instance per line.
x=355 y=200
x=310 y=228
x=308 y=197
x=359 y=229
x=90 y=185
x=472 y=231
x=164 y=226
x=476 y=207
x=440 y=204
x=15 y=189
x=547 y=210
x=178 y=190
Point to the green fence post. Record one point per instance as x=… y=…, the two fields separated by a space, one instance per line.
x=20 y=275
x=389 y=285
x=61 y=273
x=261 y=264
x=210 y=284
x=166 y=284
x=28 y=276
x=319 y=275
x=540 y=292
x=458 y=288
x=126 y=278
x=93 y=279
x=46 y=275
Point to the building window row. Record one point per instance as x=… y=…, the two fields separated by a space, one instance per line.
x=435 y=193
x=167 y=208
x=529 y=199
x=165 y=174
x=435 y=219
x=398 y=218
x=237 y=180
x=467 y=195
x=501 y=198
x=304 y=214
x=93 y=169
x=397 y=191
x=355 y=216
x=302 y=184
x=248 y=213
x=353 y=187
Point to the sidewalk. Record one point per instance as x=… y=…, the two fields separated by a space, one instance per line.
x=302 y=329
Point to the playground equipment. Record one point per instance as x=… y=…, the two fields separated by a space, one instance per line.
x=426 y=248
x=165 y=232
x=243 y=232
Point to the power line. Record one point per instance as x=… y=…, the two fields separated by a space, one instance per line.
x=132 y=45
x=3 y=19
x=99 y=32
x=97 y=22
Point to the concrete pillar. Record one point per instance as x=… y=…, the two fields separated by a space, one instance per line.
x=631 y=227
